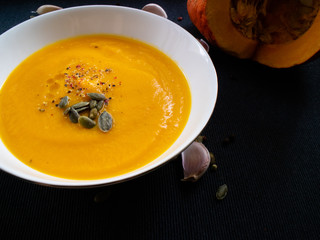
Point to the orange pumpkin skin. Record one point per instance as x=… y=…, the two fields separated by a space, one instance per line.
x=197 y=14
x=213 y=19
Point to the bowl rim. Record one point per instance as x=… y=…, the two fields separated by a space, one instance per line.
x=141 y=170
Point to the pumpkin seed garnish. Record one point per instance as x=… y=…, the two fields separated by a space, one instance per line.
x=80 y=105
x=82 y=109
x=86 y=122
x=100 y=105
x=96 y=103
x=74 y=115
x=222 y=192
x=93 y=104
x=105 y=121
x=66 y=111
x=64 y=102
x=93 y=113
x=96 y=96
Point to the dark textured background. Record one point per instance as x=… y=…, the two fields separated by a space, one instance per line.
x=271 y=168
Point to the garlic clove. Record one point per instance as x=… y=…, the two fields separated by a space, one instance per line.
x=204 y=44
x=156 y=9
x=195 y=161
x=47 y=8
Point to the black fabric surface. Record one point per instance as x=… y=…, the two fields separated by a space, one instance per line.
x=271 y=167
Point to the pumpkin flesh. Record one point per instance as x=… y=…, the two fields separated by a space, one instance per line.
x=277 y=33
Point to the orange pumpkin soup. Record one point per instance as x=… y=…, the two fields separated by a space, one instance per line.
x=146 y=94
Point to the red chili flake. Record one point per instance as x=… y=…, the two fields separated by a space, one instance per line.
x=179 y=18
x=120 y=83
x=78 y=66
x=115 y=77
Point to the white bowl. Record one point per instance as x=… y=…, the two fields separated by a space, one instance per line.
x=22 y=40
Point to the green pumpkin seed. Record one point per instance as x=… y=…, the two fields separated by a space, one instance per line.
x=222 y=192
x=82 y=109
x=73 y=115
x=93 y=104
x=86 y=122
x=64 y=102
x=105 y=121
x=96 y=96
x=100 y=105
x=80 y=105
x=93 y=113
x=66 y=111
x=214 y=167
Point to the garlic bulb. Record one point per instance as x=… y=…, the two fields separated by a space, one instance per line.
x=195 y=161
x=204 y=44
x=156 y=9
x=47 y=8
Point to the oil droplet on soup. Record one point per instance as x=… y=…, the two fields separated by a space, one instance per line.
x=148 y=97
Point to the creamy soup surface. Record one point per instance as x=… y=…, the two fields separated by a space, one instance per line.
x=146 y=94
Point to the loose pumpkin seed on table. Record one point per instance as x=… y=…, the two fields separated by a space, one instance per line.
x=222 y=192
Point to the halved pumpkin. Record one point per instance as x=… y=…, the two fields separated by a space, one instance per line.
x=277 y=33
